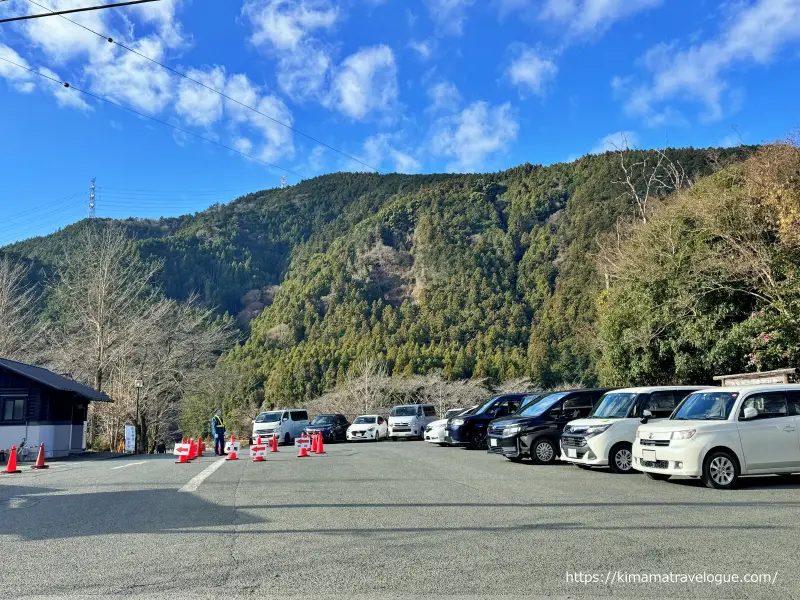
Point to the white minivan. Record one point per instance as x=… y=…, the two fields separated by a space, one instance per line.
x=410 y=420
x=286 y=424
x=718 y=434
x=606 y=436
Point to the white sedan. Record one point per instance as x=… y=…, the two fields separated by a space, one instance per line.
x=434 y=432
x=368 y=427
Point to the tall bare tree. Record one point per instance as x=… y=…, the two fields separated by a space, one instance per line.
x=18 y=310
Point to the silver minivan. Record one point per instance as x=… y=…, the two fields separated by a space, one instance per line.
x=287 y=424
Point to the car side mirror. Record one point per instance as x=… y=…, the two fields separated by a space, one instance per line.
x=254 y=421
x=285 y=418
x=646 y=416
x=750 y=412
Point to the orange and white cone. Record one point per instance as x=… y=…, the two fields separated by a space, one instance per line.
x=232 y=453
x=40 y=460
x=273 y=443
x=258 y=457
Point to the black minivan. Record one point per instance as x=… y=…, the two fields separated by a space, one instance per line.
x=470 y=430
x=536 y=430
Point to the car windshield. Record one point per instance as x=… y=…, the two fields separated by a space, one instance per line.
x=539 y=407
x=706 y=406
x=361 y=420
x=404 y=411
x=269 y=417
x=529 y=401
x=614 y=406
x=453 y=412
x=323 y=420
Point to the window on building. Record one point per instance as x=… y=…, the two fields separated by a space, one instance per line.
x=13 y=408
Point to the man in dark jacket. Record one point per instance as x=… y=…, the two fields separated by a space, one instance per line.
x=218 y=430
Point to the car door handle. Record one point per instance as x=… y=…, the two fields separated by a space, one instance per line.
x=790 y=428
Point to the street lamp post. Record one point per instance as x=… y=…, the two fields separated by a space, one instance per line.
x=138 y=385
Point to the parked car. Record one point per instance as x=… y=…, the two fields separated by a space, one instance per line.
x=410 y=420
x=606 y=436
x=434 y=432
x=536 y=430
x=368 y=427
x=333 y=427
x=470 y=430
x=286 y=424
x=720 y=434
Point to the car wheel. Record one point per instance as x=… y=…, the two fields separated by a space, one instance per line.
x=287 y=439
x=442 y=444
x=720 y=471
x=478 y=441
x=656 y=476
x=543 y=452
x=514 y=459
x=620 y=459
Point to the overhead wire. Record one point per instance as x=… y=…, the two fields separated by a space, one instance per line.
x=59 y=13
x=146 y=116
x=214 y=90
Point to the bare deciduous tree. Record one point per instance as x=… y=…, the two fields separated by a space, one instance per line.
x=18 y=310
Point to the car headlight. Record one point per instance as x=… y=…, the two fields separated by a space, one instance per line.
x=457 y=422
x=511 y=430
x=685 y=434
x=371 y=429
x=595 y=429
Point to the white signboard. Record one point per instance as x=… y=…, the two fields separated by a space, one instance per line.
x=181 y=449
x=302 y=442
x=259 y=452
x=130 y=438
x=232 y=447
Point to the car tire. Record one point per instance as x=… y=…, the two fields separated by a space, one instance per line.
x=514 y=459
x=543 y=452
x=620 y=459
x=584 y=467
x=477 y=441
x=656 y=476
x=287 y=439
x=720 y=470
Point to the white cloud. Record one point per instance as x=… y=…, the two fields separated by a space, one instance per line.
x=621 y=140
x=730 y=141
x=316 y=160
x=198 y=105
x=381 y=149
x=577 y=18
x=530 y=71
x=20 y=79
x=449 y=15
x=752 y=34
x=65 y=96
x=284 y=24
x=473 y=134
x=366 y=82
x=444 y=96
x=423 y=48
x=303 y=73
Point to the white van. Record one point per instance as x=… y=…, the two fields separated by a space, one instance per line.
x=410 y=420
x=606 y=436
x=287 y=424
x=718 y=434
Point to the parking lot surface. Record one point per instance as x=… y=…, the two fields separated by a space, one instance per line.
x=388 y=520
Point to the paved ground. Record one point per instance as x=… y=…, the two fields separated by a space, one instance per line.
x=385 y=520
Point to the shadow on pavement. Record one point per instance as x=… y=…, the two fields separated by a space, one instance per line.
x=37 y=513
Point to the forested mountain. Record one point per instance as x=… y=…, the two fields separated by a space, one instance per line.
x=491 y=276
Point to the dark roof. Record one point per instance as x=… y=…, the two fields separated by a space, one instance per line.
x=52 y=380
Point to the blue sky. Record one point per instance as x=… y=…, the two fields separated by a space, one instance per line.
x=411 y=86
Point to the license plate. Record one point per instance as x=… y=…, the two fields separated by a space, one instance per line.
x=572 y=453
x=649 y=455
x=493 y=442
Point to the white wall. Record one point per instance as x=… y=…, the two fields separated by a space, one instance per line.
x=56 y=438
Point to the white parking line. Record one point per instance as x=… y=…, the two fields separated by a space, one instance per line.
x=195 y=481
x=141 y=462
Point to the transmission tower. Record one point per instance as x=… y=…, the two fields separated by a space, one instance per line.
x=283 y=182
x=91 y=199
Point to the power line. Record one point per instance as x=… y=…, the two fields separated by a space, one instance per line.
x=141 y=114
x=216 y=91
x=75 y=10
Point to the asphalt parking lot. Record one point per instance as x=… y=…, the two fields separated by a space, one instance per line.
x=386 y=520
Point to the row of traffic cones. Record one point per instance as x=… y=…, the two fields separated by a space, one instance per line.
x=317 y=446
x=196 y=449
x=11 y=467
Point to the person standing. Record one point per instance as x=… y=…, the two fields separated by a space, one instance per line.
x=218 y=430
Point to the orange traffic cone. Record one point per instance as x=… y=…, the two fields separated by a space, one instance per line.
x=313 y=443
x=191 y=449
x=273 y=443
x=302 y=451
x=182 y=459
x=12 y=463
x=183 y=440
x=200 y=446
x=232 y=453
x=40 y=460
x=320 y=445
x=258 y=457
